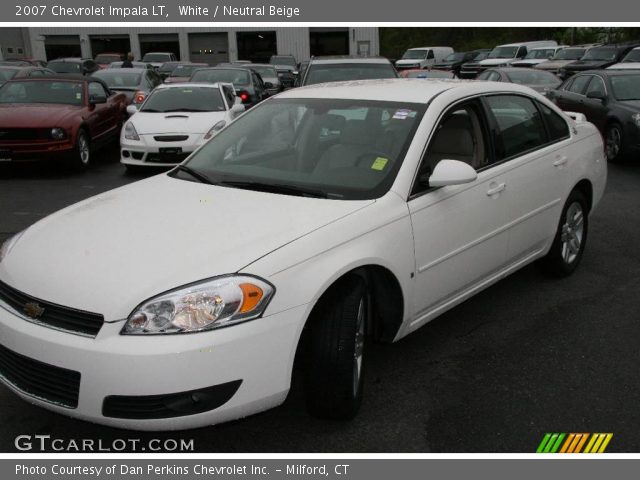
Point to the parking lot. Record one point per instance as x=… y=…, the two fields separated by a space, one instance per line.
x=529 y=355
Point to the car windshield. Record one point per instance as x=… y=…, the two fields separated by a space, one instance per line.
x=156 y=57
x=601 y=54
x=185 y=70
x=454 y=57
x=65 y=67
x=480 y=56
x=333 y=148
x=503 y=52
x=236 y=76
x=119 y=78
x=415 y=55
x=7 y=74
x=283 y=60
x=626 y=87
x=265 y=72
x=339 y=72
x=540 y=53
x=632 y=56
x=570 y=54
x=184 y=99
x=532 y=77
x=41 y=91
x=108 y=58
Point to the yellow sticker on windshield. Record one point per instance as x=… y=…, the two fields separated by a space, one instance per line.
x=379 y=163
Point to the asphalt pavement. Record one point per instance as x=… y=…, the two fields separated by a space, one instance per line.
x=528 y=356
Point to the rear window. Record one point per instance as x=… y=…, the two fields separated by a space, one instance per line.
x=532 y=77
x=119 y=77
x=348 y=71
x=64 y=67
x=237 y=77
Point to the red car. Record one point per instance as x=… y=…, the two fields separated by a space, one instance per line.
x=62 y=118
x=105 y=59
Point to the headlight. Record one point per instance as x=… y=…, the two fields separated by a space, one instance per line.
x=636 y=119
x=215 y=129
x=8 y=245
x=130 y=132
x=58 y=133
x=201 y=306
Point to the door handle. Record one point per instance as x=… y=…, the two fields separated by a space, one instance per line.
x=561 y=160
x=497 y=189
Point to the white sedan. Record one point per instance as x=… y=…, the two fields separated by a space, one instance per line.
x=175 y=120
x=322 y=218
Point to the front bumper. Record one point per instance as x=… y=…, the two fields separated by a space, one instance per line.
x=258 y=353
x=35 y=151
x=149 y=152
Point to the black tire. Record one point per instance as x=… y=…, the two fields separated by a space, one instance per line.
x=614 y=142
x=565 y=255
x=333 y=376
x=81 y=156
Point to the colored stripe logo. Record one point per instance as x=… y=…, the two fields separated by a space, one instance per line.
x=574 y=443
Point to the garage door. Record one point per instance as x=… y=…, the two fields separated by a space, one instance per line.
x=159 y=42
x=110 y=44
x=59 y=46
x=211 y=48
x=329 y=41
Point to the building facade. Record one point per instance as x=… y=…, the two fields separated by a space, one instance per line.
x=210 y=45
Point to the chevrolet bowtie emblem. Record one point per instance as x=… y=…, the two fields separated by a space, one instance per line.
x=33 y=310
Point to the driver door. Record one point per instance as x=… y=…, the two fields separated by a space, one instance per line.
x=460 y=232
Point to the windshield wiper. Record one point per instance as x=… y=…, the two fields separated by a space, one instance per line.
x=195 y=174
x=275 y=188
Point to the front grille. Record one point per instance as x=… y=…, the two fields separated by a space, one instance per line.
x=170 y=138
x=19 y=134
x=55 y=316
x=169 y=405
x=167 y=157
x=52 y=384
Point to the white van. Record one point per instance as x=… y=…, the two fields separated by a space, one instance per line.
x=505 y=55
x=422 y=57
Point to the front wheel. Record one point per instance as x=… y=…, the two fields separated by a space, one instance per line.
x=335 y=361
x=81 y=156
x=614 y=143
x=571 y=237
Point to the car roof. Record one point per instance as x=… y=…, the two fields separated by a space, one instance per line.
x=120 y=71
x=349 y=59
x=611 y=72
x=158 y=53
x=409 y=90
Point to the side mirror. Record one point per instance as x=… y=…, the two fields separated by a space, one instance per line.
x=596 y=95
x=131 y=109
x=95 y=99
x=237 y=109
x=452 y=172
x=268 y=85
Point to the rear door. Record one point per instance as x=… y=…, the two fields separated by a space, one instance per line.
x=594 y=108
x=531 y=142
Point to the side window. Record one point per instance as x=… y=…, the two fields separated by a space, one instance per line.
x=579 y=84
x=430 y=55
x=519 y=126
x=522 y=52
x=596 y=85
x=556 y=125
x=96 y=89
x=460 y=135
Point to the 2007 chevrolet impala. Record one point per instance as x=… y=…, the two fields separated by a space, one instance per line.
x=322 y=217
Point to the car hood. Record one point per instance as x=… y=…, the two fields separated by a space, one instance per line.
x=175 y=122
x=35 y=115
x=408 y=61
x=491 y=62
x=110 y=252
x=528 y=61
x=554 y=64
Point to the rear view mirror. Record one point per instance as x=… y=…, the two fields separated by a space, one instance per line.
x=452 y=172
